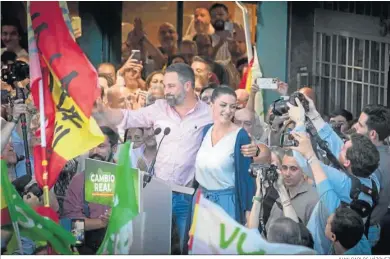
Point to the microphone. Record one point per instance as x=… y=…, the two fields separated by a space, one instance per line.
x=157 y=131
x=148 y=176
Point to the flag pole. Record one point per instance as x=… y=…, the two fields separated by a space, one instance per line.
x=33 y=51
x=45 y=174
x=247 y=30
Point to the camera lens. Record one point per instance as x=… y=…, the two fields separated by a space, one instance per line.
x=280 y=107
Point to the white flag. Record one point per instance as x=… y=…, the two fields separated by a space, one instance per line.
x=215 y=232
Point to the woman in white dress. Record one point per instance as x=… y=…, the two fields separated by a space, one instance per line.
x=221 y=169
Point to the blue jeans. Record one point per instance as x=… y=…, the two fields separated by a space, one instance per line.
x=374 y=233
x=226 y=199
x=181 y=209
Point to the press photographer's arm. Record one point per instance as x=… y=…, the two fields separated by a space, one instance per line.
x=8 y=126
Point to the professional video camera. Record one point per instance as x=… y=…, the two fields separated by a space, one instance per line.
x=280 y=107
x=15 y=72
x=267 y=172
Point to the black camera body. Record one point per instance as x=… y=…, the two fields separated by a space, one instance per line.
x=15 y=72
x=280 y=107
x=267 y=172
x=287 y=140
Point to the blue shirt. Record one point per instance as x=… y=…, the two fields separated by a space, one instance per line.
x=340 y=182
x=327 y=205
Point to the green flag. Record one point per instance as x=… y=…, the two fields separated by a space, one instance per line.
x=118 y=238
x=30 y=223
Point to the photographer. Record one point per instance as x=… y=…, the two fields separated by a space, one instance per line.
x=332 y=227
x=293 y=191
x=341 y=120
x=8 y=127
x=358 y=156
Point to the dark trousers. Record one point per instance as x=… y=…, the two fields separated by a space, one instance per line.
x=382 y=247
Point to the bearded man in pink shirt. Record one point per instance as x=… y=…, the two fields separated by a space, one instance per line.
x=186 y=116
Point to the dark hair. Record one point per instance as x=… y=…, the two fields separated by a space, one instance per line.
x=342 y=112
x=184 y=72
x=363 y=154
x=127 y=131
x=222 y=90
x=209 y=86
x=113 y=137
x=378 y=120
x=241 y=61
x=12 y=21
x=170 y=59
x=306 y=237
x=352 y=122
x=218 y=5
x=109 y=80
x=285 y=231
x=348 y=227
x=8 y=56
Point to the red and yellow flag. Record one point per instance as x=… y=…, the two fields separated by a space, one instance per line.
x=246 y=81
x=70 y=90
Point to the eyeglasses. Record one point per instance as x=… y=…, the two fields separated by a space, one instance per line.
x=292 y=168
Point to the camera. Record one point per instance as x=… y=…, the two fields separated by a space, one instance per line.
x=34 y=189
x=17 y=71
x=280 y=107
x=287 y=140
x=267 y=172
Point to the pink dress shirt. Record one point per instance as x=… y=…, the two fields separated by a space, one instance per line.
x=176 y=159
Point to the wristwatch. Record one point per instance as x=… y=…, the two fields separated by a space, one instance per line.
x=257 y=198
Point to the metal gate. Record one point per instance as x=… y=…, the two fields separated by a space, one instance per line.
x=350 y=69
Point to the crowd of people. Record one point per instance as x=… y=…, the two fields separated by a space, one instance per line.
x=329 y=190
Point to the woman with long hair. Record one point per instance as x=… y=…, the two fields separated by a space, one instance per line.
x=221 y=169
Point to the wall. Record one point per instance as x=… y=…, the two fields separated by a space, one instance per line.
x=272 y=29
x=301 y=22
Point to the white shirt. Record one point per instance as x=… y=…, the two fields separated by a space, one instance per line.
x=215 y=164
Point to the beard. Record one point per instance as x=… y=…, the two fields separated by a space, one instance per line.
x=219 y=25
x=97 y=157
x=173 y=100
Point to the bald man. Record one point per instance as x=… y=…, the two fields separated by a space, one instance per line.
x=119 y=98
x=246 y=119
x=242 y=98
x=167 y=36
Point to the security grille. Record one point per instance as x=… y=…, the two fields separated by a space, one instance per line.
x=350 y=72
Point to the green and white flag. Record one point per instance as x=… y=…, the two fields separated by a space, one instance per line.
x=30 y=223
x=119 y=235
x=214 y=232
